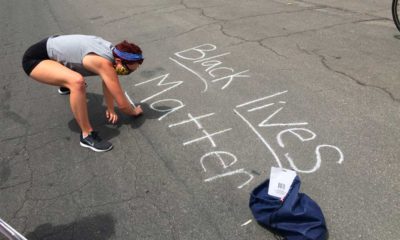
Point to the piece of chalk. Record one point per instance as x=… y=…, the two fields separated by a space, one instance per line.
x=129 y=99
x=244 y=224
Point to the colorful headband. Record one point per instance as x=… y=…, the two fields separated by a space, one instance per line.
x=128 y=56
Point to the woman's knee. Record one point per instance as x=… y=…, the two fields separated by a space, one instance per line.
x=77 y=83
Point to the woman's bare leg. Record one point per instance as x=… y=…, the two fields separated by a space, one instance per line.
x=54 y=73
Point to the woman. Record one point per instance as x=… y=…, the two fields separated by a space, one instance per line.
x=64 y=60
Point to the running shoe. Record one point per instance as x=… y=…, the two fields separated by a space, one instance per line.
x=94 y=142
x=63 y=91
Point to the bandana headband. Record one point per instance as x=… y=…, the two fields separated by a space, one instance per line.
x=128 y=56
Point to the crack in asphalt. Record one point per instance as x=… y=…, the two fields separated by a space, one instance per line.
x=324 y=62
x=51 y=11
x=271 y=14
x=5 y=110
x=138 y=14
x=202 y=13
x=86 y=183
x=221 y=22
x=139 y=156
x=110 y=203
x=14 y=185
x=260 y=41
x=302 y=32
x=337 y=8
x=323 y=59
x=322 y=28
x=29 y=188
x=182 y=33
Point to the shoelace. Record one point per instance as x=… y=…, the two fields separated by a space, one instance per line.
x=95 y=136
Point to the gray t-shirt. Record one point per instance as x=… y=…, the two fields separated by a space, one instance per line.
x=70 y=50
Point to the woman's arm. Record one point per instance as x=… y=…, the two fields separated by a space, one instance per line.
x=111 y=115
x=108 y=98
x=105 y=69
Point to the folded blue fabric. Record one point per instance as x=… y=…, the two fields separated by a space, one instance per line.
x=297 y=217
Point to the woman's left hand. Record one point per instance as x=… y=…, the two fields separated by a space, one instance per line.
x=112 y=116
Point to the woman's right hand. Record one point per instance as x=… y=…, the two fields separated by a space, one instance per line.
x=137 y=111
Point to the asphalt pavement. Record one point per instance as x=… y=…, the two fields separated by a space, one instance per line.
x=229 y=89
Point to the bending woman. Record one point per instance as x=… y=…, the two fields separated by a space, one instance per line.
x=64 y=61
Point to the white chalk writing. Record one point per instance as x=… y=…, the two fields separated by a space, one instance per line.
x=294 y=131
x=207 y=65
x=199 y=55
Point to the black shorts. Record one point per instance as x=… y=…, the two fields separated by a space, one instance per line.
x=34 y=55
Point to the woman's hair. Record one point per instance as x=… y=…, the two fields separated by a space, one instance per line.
x=130 y=48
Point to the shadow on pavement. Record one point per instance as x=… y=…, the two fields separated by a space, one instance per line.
x=99 y=227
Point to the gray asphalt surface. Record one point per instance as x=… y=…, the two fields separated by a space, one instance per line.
x=325 y=75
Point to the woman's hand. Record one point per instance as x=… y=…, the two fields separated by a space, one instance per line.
x=112 y=116
x=137 y=111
